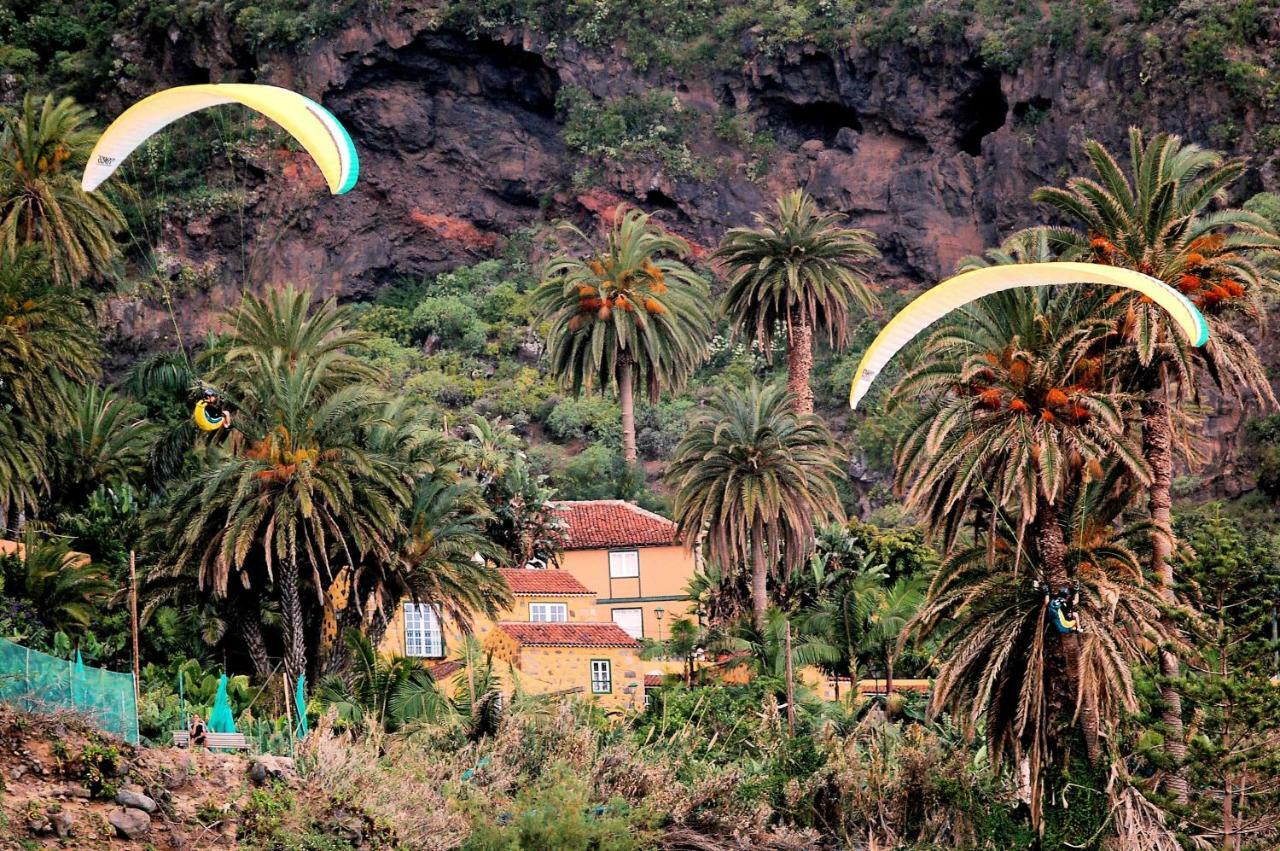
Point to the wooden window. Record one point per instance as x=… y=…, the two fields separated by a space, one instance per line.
x=601 y=676
x=548 y=612
x=624 y=564
x=631 y=621
x=422 y=634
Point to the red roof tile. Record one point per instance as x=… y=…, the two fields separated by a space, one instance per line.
x=652 y=680
x=596 y=523
x=443 y=669
x=568 y=634
x=559 y=583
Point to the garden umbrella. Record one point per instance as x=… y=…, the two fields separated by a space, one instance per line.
x=300 y=699
x=220 y=721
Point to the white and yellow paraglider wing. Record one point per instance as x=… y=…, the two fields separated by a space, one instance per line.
x=315 y=128
x=954 y=293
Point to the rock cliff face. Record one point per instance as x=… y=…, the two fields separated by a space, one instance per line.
x=461 y=144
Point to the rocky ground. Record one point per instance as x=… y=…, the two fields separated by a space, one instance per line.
x=63 y=785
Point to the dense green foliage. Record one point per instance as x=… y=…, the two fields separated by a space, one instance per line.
x=405 y=446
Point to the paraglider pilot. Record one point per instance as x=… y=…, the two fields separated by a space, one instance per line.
x=209 y=414
x=1062 y=608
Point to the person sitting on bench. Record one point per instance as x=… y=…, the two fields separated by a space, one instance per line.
x=198 y=731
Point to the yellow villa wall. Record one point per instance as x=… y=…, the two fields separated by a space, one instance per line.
x=578 y=610
x=664 y=573
x=567 y=670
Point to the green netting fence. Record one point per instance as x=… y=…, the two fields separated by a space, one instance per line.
x=38 y=682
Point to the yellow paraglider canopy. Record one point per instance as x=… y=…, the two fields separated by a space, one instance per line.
x=953 y=293
x=315 y=128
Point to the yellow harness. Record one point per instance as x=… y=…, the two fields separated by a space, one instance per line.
x=205 y=420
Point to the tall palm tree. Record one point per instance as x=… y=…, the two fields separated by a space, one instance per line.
x=1020 y=412
x=1017 y=408
x=306 y=493
x=309 y=491
x=1158 y=219
x=628 y=310
x=753 y=479
x=43 y=149
x=990 y=623
x=799 y=270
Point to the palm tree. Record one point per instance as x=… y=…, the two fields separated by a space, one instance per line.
x=107 y=442
x=305 y=493
x=889 y=607
x=799 y=270
x=990 y=623
x=65 y=587
x=286 y=325
x=1018 y=408
x=310 y=490
x=1157 y=220
x=443 y=558
x=767 y=645
x=491 y=446
x=686 y=641
x=1020 y=416
x=43 y=150
x=753 y=479
x=629 y=310
x=389 y=692
x=47 y=346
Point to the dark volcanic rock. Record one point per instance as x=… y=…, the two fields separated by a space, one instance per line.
x=461 y=144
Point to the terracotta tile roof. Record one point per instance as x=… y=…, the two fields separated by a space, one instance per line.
x=559 y=583
x=652 y=680
x=595 y=523
x=444 y=669
x=568 y=634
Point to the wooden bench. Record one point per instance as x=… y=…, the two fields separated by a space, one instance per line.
x=213 y=741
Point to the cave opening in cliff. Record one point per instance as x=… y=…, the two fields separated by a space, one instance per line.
x=796 y=123
x=981 y=112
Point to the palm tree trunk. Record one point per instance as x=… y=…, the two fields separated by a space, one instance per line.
x=1157 y=447
x=800 y=363
x=759 y=577
x=1052 y=547
x=791 y=686
x=627 y=400
x=255 y=645
x=295 y=642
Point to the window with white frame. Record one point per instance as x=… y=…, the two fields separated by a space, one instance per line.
x=624 y=564
x=548 y=612
x=631 y=621
x=601 y=676
x=422 y=634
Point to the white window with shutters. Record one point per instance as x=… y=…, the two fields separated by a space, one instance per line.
x=601 y=676
x=548 y=612
x=624 y=564
x=631 y=621
x=422 y=634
